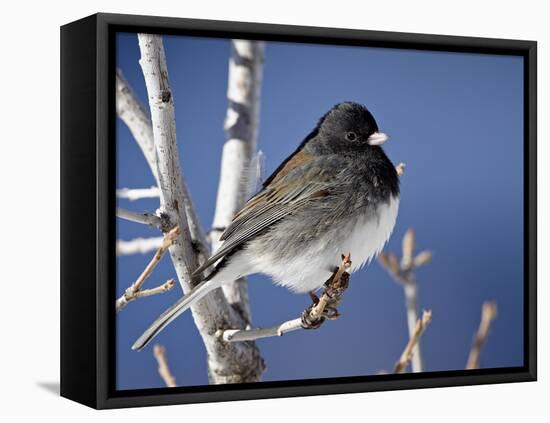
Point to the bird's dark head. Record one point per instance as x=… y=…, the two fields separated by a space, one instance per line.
x=347 y=127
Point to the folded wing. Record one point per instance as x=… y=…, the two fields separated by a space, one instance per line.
x=283 y=196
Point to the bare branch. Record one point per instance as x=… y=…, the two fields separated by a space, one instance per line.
x=238 y=363
x=422 y=258
x=241 y=128
x=123 y=300
x=144 y=218
x=161 y=103
x=402 y=271
x=312 y=318
x=408 y=249
x=134 y=115
x=132 y=292
x=130 y=110
x=488 y=314
x=161 y=289
x=400 y=169
x=168 y=240
x=164 y=371
x=134 y=194
x=411 y=303
x=408 y=352
x=138 y=246
x=239 y=335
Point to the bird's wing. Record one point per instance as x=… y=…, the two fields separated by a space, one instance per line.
x=283 y=196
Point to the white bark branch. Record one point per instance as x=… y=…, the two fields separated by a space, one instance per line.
x=130 y=110
x=239 y=362
x=134 y=115
x=137 y=246
x=153 y=64
x=144 y=218
x=403 y=272
x=134 y=194
x=410 y=289
x=239 y=335
x=241 y=131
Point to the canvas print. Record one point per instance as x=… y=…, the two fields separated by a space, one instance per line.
x=292 y=211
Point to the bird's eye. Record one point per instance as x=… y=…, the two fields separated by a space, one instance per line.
x=350 y=136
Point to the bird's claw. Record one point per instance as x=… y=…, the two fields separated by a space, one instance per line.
x=308 y=322
x=314 y=298
x=331 y=313
x=334 y=288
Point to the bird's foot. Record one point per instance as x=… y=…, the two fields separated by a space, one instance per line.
x=309 y=322
x=335 y=287
x=325 y=307
x=331 y=313
x=314 y=298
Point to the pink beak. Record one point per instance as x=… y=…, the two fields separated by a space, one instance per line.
x=378 y=138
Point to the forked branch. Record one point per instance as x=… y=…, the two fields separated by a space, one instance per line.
x=134 y=291
x=402 y=271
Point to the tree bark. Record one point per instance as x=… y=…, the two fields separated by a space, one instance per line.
x=241 y=131
x=134 y=115
x=227 y=363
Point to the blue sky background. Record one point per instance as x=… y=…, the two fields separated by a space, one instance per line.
x=455 y=119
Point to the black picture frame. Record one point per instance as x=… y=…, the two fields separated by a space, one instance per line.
x=88 y=210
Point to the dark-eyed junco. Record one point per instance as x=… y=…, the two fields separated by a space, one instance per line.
x=337 y=193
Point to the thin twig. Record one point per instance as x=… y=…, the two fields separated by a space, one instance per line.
x=488 y=314
x=159 y=352
x=144 y=218
x=132 y=291
x=124 y=299
x=408 y=352
x=402 y=271
x=400 y=169
x=314 y=315
x=166 y=286
x=134 y=194
x=138 y=245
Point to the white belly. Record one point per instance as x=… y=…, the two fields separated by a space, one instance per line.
x=364 y=238
x=368 y=238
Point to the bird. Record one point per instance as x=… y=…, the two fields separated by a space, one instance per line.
x=338 y=192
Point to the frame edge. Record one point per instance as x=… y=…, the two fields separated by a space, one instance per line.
x=78 y=211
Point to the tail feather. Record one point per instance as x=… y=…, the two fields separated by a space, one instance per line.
x=174 y=311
